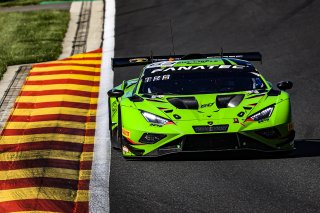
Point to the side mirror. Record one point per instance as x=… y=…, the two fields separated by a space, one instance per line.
x=115 y=93
x=284 y=85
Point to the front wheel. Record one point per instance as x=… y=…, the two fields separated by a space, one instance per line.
x=114 y=139
x=114 y=133
x=119 y=130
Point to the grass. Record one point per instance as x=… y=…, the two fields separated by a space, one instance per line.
x=10 y=3
x=31 y=37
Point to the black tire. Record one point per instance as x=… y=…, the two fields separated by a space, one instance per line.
x=119 y=130
x=114 y=132
x=114 y=139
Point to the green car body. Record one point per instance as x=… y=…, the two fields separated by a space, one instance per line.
x=155 y=124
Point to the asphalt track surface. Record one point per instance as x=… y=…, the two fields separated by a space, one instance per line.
x=287 y=35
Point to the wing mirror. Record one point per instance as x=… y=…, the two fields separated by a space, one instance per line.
x=284 y=85
x=115 y=93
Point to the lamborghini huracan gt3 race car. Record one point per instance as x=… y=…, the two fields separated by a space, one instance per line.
x=199 y=103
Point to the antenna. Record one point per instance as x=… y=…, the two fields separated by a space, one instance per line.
x=221 y=52
x=151 y=56
x=172 y=42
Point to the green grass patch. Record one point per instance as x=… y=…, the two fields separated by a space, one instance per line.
x=31 y=37
x=10 y=3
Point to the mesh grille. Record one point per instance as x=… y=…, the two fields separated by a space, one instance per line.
x=210 y=142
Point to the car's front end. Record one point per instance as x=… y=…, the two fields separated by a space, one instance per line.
x=154 y=127
x=170 y=111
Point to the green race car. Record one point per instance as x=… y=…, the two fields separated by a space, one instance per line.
x=198 y=103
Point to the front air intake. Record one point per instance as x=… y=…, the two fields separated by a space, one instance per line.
x=228 y=101
x=184 y=102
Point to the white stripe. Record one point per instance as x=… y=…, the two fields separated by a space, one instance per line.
x=99 y=183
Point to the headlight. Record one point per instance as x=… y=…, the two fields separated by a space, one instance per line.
x=155 y=119
x=263 y=114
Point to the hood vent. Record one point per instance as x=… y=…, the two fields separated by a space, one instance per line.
x=228 y=101
x=184 y=102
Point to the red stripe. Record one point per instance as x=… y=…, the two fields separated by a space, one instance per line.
x=63 y=81
x=43 y=205
x=60 y=92
x=60 y=117
x=22 y=105
x=44 y=182
x=53 y=145
x=48 y=163
x=48 y=130
x=79 y=72
x=67 y=64
x=96 y=51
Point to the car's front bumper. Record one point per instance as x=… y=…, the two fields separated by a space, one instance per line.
x=246 y=140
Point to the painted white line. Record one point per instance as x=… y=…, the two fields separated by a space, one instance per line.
x=99 y=183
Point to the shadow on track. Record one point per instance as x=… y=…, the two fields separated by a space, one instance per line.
x=304 y=148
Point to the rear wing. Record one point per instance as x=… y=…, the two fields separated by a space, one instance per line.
x=144 y=60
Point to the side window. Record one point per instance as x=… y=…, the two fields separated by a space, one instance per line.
x=258 y=83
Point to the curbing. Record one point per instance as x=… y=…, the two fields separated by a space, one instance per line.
x=93 y=41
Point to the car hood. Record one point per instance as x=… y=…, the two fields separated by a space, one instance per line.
x=206 y=106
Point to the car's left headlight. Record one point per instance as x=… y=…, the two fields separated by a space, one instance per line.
x=262 y=114
x=151 y=118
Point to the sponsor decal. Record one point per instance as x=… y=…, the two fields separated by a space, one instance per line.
x=157 y=78
x=207 y=105
x=211 y=67
x=114 y=107
x=138 y=60
x=125 y=149
x=161 y=64
x=165 y=77
x=125 y=133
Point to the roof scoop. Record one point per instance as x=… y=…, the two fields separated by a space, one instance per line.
x=228 y=101
x=184 y=102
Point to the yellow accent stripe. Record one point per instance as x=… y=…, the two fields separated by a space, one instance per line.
x=94 y=62
x=46 y=173
x=57 y=87
x=54 y=98
x=46 y=137
x=63 y=76
x=55 y=123
x=46 y=154
x=87 y=55
x=54 y=110
x=66 y=67
x=43 y=193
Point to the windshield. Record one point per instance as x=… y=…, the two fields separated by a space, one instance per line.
x=200 y=82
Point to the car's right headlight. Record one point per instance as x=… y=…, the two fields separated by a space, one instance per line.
x=262 y=114
x=155 y=119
